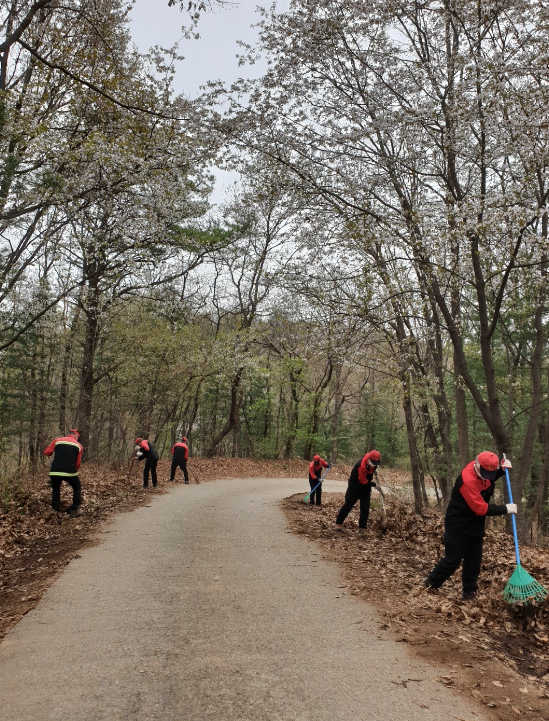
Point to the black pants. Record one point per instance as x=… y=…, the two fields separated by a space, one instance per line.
x=150 y=465
x=317 y=494
x=183 y=466
x=356 y=492
x=74 y=482
x=468 y=550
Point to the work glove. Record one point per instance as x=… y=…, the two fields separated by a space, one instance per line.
x=374 y=485
x=506 y=463
x=139 y=454
x=511 y=507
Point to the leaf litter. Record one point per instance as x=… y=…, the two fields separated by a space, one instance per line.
x=492 y=652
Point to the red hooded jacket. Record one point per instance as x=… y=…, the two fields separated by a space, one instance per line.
x=315 y=468
x=362 y=472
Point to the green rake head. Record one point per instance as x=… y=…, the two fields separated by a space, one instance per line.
x=522 y=588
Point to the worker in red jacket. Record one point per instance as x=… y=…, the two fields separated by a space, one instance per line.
x=465 y=520
x=360 y=489
x=180 y=456
x=315 y=473
x=67 y=454
x=145 y=450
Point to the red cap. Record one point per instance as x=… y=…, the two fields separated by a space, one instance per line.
x=316 y=459
x=374 y=457
x=488 y=464
x=73 y=430
x=138 y=440
x=183 y=439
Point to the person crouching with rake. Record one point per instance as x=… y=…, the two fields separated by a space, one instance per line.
x=315 y=470
x=465 y=520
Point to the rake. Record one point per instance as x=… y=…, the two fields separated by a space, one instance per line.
x=521 y=587
x=131 y=466
x=382 y=496
x=317 y=485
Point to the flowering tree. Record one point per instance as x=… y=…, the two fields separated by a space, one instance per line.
x=422 y=127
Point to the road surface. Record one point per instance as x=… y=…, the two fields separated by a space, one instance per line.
x=202 y=605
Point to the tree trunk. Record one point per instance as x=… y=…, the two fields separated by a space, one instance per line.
x=315 y=416
x=87 y=380
x=294 y=415
x=541 y=494
x=338 y=404
x=234 y=414
x=67 y=362
x=464 y=453
x=417 y=470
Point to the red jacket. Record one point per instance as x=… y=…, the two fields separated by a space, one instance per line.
x=470 y=504
x=180 y=451
x=67 y=454
x=148 y=451
x=365 y=472
x=315 y=468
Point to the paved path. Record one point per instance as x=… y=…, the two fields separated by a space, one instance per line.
x=202 y=606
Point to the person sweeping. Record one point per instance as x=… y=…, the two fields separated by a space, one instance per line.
x=360 y=489
x=180 y=456
x=465 y=521
x=315 y=471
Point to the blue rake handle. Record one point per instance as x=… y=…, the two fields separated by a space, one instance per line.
x=512 y=515
x=317 y=485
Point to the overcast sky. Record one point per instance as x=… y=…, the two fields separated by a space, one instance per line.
x=212 y=57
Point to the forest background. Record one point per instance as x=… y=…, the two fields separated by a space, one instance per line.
x=378 y=277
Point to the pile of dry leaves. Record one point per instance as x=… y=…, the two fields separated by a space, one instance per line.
x=499 y=653
x=208 y=469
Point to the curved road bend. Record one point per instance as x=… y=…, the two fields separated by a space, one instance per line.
x=202 y=606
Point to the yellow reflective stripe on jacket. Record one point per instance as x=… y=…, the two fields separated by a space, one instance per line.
x=68 y=443
x=61 y=473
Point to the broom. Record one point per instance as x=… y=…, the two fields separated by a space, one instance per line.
x=317 y=485
x=521 y=587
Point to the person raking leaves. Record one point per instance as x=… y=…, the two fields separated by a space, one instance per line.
x=67 y=454
x=145 y=450
x=315 y=471
x=360 y=489
x=464 y=523
x=180 y=456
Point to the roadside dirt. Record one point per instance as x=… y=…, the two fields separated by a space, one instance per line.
x=496 y=653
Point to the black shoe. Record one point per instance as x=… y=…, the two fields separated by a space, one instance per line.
x=144 y=486
x=154 y=485
x=74 y=512
x=429 y=588
x=186 y=483
x=468 y=596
